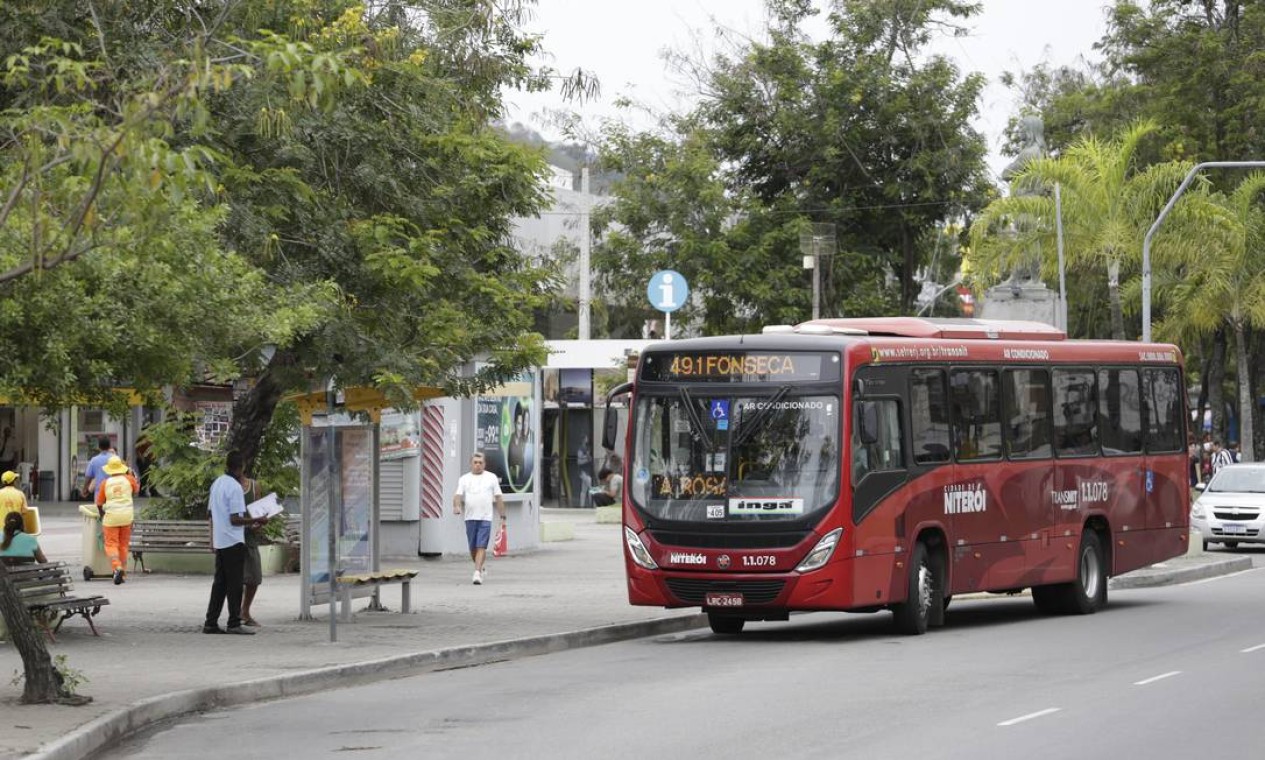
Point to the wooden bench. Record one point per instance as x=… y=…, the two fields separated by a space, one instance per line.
x=349 y=583
x=45 y=590
x=168 y=536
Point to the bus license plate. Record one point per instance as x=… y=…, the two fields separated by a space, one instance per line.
x=1233 y=529
x=723 y=599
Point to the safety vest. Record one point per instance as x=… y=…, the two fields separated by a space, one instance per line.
x=11 y=500
x=118 y=501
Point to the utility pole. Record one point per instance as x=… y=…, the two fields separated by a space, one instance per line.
x=815 y=243
x=1058 y=225
x=585 y=287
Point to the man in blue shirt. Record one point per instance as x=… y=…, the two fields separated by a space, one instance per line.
x=227 y=505
x=96 y=475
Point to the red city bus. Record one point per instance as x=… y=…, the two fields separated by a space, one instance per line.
x=864 y=464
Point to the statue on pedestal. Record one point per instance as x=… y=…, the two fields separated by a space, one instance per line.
x=1028 y=270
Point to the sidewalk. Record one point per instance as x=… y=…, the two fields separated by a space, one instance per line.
x=152 y=661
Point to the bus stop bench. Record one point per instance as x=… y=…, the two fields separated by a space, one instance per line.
x=45 y=591
x=348 y=583
x=168 y=536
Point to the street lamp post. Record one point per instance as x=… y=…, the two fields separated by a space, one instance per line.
x=1146 y=241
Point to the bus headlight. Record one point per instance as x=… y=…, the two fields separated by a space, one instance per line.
x=638 y=550
x=822 y=552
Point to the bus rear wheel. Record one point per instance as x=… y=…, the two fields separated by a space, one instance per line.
x=726 y=625
x=1085 y=595
x=925 y=597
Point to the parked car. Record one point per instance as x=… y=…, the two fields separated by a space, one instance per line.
x=1231 y=509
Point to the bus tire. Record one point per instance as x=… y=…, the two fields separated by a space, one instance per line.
x=1088 y=593
x=925 y=590
x=726 y=625
x=1048 y=599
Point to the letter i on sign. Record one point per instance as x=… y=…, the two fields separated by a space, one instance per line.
x=666 y=300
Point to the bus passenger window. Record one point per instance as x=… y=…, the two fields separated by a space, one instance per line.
x=976 y=399
x=929 y=413
x=886 y=452
x=1162 y=391
x=1075 y=413
x=1027 y=403
x=1119 y=411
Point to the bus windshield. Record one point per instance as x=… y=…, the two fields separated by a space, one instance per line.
x=699 y=455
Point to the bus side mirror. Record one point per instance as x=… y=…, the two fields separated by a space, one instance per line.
x=610 y=423
x=610 y=428
x=867 y=420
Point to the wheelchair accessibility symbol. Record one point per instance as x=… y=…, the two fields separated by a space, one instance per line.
x=720 y=413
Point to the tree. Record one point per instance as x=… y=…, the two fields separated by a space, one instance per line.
x=108 y=261
x=318 y=175
x=1109 y=201
x=1223 y=286
x=863 y=130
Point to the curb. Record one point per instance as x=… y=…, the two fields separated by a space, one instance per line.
x=1171 y=576
x=97 y=734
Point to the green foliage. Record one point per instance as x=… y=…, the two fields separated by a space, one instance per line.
x=183 y=471
x=863 y=130
x=70 y=679
x=1110 y=199
x=1193 y=68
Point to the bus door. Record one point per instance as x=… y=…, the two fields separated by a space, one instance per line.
x=1122 y=488
x=1078 y=478
x=1028 y=492
x=986 y=519
x=877 y=458
x=1165 y=481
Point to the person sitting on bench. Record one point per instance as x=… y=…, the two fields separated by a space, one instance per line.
x=16 y=543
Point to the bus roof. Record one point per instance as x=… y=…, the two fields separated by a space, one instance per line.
x=918 y=327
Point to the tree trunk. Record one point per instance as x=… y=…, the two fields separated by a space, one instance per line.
x=1216 y=386
x=1205 y=369
x=1113 y=289
x=42 y=684
x=253 y=411
x=1246 y=441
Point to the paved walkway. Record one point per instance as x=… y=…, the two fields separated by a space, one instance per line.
x=152 y=661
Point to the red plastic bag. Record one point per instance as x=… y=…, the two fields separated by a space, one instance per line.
x=501 y=545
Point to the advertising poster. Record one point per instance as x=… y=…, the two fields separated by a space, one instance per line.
x=576 y=388
x=551 y=386
x=504 y=433
x=580 y=477
x=356 y=462
x=317 y=491
x=400 y=434
x=351 y=478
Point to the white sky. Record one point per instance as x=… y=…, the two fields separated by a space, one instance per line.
x=621 y=42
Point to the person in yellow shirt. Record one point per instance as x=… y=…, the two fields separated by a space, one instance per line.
x=11 y=497
x=114 y=499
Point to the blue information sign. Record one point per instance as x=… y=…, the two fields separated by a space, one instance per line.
x=667 y=290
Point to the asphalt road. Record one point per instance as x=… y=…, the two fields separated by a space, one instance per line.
x=1170 y=672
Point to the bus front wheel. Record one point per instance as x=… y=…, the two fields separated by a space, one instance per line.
x=926 y=589
x=725 y=624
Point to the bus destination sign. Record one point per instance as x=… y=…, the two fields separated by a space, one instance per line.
x=740 y=366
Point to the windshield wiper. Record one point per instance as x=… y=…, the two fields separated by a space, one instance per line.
x=696 y=422
x=749 y=428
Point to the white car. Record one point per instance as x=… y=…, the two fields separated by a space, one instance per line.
x=1231 y=509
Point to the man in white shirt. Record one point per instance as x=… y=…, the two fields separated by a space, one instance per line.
x=227 y=507
x=477 y=491
x=1220 y=457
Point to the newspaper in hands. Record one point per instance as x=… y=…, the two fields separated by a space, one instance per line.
x=265 y=507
